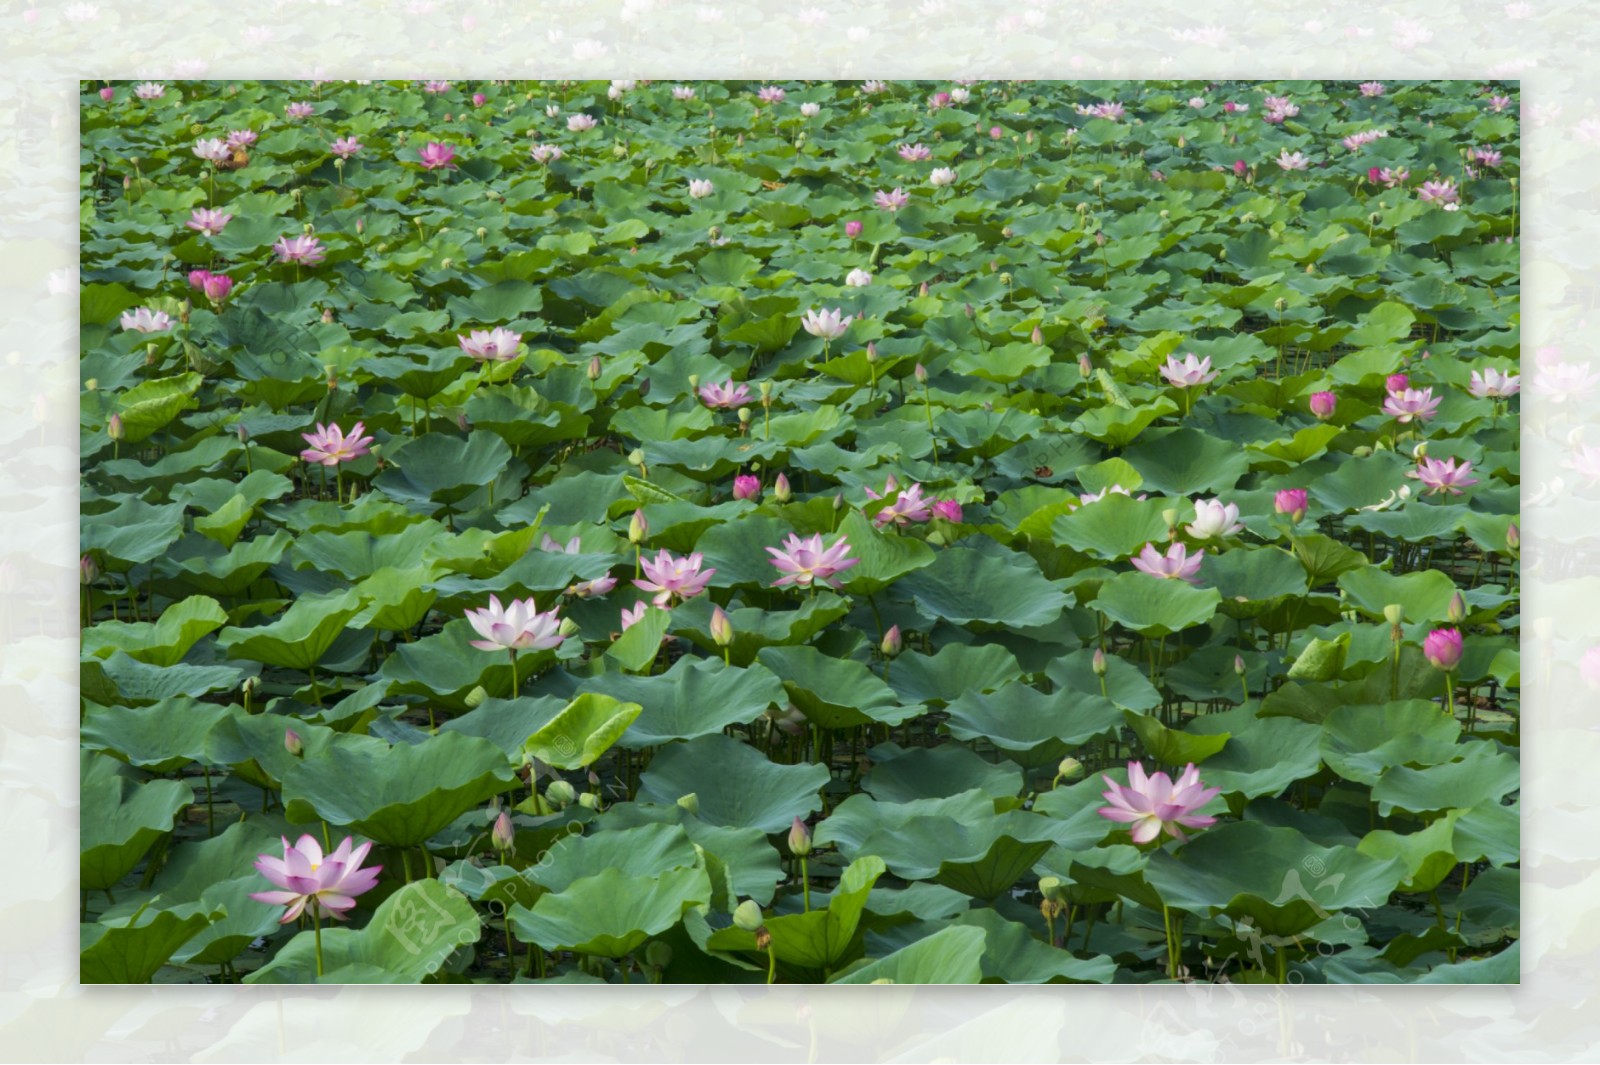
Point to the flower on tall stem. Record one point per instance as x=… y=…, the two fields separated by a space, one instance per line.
x=436 y=156
x=1176 y=564
x=1291 y=503
x=1443 y=476
x=145 y=320
x=673 y=578
x=724 y=396
x=330 y=445
x=1189 y=373
x=892 y=200
x=1492 y=384
x=345 y=147
x=208 y=221
x=302 y=249
x=1412 y=404
x=310 y=882
x=1156 y=803
x=491 y=345
x=1214 y=519
x=829 y=323
x=1322 y=404
x=298 y=110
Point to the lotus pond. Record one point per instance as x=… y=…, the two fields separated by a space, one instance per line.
x=738 y=532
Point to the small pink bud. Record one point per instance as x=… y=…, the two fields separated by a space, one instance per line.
x=892 y=642
x=1396 y=382
x=1098 y=662
x=721 y=627
x=114 y=427
x=108 y=94
x=638 y=528
x=746 y=486
x=799 y=839
x=995 y=133
x=1238 y=666
x=504 y=835
x=1372 y=174
x=1291 y=502
x=923 y=291
x=780 y=489
x=852 y=229
x=1085 y=367
x=1322 y=404
x=1239 y=167
x=948 y=509
x=478 y=99
x=292 y=744
x=1038 y=336
x=1513 y=537
x=921 y=374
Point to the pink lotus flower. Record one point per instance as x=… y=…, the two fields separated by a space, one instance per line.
x=1239 y=168
x=1153 y=804
x=1355 y=141
x=1486 y=156
x=873 y=86
x=852 y=229
x=1412 y=404
x=1322 y=404
x=545 y=153
x=108 y=94
x=580 y=122
x=631 y=616
x=212 y=150
x=241 y=138
x=299 y=110
x=1230 y=107
x=491 y=345
x=435 y=87
x=478 y=99
x=806 y=562
x=746 y=486
x=573 y=546
x=330 y=446
x=771 y=94
x=915 y=153
x=1292 y=160
x=938 y=100
x=827 y=324
x=1396 y=176
x=1442 y=649
x=1213 y=518
x=345 y=147
x=948 y=509
x=436 y=156
x=208 y=221
x=672 y=577
x=327 y=885
x=995 y=133
x=1396 y=382
x=1443 y=475
x=724 y=396
x=150 y=90
x=518 y=627
x=1189 y=373
x=1112 y=110
x=591 y=589
x=682 y=92
x=144 y=320
x=215 y=286
x=906 y=509
x=1444 y=192
x=1499 y=103
x=1176 y=564
x=1291 y=502
x=1197 y=102
x=1372 y=88
x=302 y=249
x=892 y=201
x=1492 y=384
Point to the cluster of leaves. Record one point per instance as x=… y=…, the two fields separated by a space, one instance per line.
x=1367 y=827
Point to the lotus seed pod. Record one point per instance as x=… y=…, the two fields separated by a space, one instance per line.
x=1420 y=451
x=1049 y=885
x=690 y=802
x=744 y=415
x=589 y=800
x=1069 y=768
x=560 y=794
x=476 y=696
x=1170 y=516
x=1394 y=613
x=481 y=232
x=636 y=457
x=292 y=744
x=568 y=627
x=766 y=389
x=92 y=385
x=1361 y=452
x=658 y=955
x=694 y=381
x=747 y=915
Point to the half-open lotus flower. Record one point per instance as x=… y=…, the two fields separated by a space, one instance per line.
x=302 y=249
x=1492 y=384
x=328 y=885
x=806 y=562
x=212 y=149
x=1443 y=475
x=492 y=345
x=892 y=200
x=518 y=627
x=144 y=320
x=1412 y=403
x=725 y=395
x=1176 y=564
x=1213 y=518
x=436 y=156
x=208 y=221
x=331 y=446
x=829 y=324
x=908 y=507
x=1153 y=804
x=673 y=577
x=1188 y=373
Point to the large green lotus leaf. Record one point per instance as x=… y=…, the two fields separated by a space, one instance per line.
x=1014 y=954
x=903 y=775
x=1428 y=855
x=299 y=638
x=1112 y=528
x=1173 y=747
x=859 y=816
x=645 y=851
x=251 y=745
x=948 y=956
x=536 y=573
x=130 y=950
x=1153 y=606
x=1118 y=426
x=956 y=668
x=885 y=557
x=1263 y=756
x=359 y=553
x=696 y=697
x=1361 y=742
x=733 y=782
x=396 y=599
x=835 y=693
x=1490 y=832
x=611 y=913
x=1186 y=462
x=438 y=468
x=1493 y=902
x=641 y=643
x=1030 y=726
x=1425 y=594
x=120 y=819
x=1283 y=455
x=121 y=679
x=754 y=628
x=446 y=667
x=507 y=723
x=1324 y=558
x=202 y=565
x=162 y=643
x=1416 y=523
x=1252 y=580
x=751 y=862
x=1502 y=968
x=965 y=584
x=151 y=405
x=133 y=532
x=1276 y=877
x=1482 y=774
x=1125 y=684
x=407 y=793
x=822 y=938
x=220 y=872
x=410 y=936
x=161 y=738
x=736 y=549
x=583 y=731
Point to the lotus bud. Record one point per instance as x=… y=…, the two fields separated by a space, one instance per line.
x=690 y=802
x=1037 y=337
x=361 y=226
x=766 y=393
x=799 y=839
x=1291 y=502
x=1069 y=768
x=1098 y=662
x=250 y=686
x=968 y=309
x=838 y=501
x=747 y=916
x=114 y=427
x=476 y=696
x=923 y=290
x=1456 y=612
x=88 y=570
x=892 y=642
x=694 y=381
x=568 y=627
x=1513 y=538
x=780 y=489
x=636 y=457
x=1170 y=516
x=721 y=627
x=560 y=794
x=1085 y=368
x=589 y=800
x=292 y=744
x=92 y=385
x=1443 y=649
x=921 y=374
x=462 y=423
x=638 y=528
x=593 y=371
x=658 y=955
x=872 y=352
x=503 y=835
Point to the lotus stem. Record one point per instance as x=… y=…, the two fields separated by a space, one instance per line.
x=316 y=925
x=805 y=883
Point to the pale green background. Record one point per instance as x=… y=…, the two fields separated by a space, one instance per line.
x=44 y=1015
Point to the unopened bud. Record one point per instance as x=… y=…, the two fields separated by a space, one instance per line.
x=638 y=528
x=1456 y=612
x=721 y=627
x=872 y=352
x=780 y=489
x=1085 y=367
x=1238 y=666
x=636 y=457
x=114 y=427
x=799 y=839
x=892 y=642
x=568 y=627
x=1069 y=768
x=923 y=290
x=838 y=501
x=921 y=374
x=594 y=368
x=292 y=744
x=503 y=835
x=589 y=800
x=1513 y=538
x=1098 y=662
x=1038 y=336
x=88 y=570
